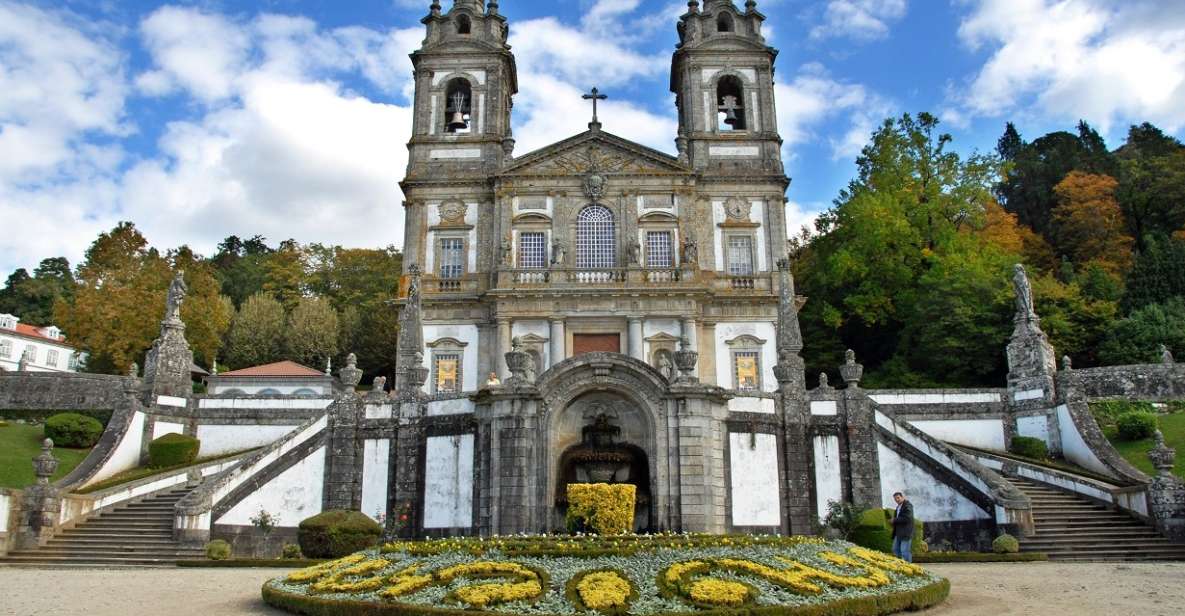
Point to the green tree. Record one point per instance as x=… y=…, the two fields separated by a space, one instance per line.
x=1137 y=338
x=240 y=267
x=32 y=298
x=1151 y=184
x=206 y=312
x=256 y=333
x=1157 y=276
x=285 y=276
x=312 y=332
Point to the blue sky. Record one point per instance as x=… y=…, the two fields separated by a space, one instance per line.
x=288 y=118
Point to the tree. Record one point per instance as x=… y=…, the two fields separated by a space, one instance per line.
x=312 y=332
x=1002 y=230
x=32 y=298
x=240 y=268
x=1152 y=183
x=284 y=274
x=1088 y=224
x=1033 y=169
x=1137 y=338
x=206 y=312
x=256 y=333
x=1157 y=276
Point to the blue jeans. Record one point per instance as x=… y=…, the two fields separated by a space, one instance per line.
x=902 y=547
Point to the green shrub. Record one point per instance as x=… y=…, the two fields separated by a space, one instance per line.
x=336 y=533
x=1107 y=412
x=1029 y=447
x=3 y=424
x=172 y=450
x=1136 y=425
x=218 y=550
x=843 y=518
x=875 y=531
x=73 y=430
x=291 y=551
x=38 y=416
x=1005 y=544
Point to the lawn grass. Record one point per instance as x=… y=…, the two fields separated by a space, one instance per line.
x=19 y=444
x=1136 y=452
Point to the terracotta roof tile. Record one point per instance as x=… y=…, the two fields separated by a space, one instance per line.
x=280 y=368
x=32 y=331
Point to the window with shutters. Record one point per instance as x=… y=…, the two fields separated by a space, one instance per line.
x=452 y=257
x=658 y=249
x=596 y=246
x=532 y=250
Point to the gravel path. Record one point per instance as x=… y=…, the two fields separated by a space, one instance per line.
x=1045 y=589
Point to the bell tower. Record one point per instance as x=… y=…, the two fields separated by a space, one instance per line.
x=722 y=77
x=465 y=80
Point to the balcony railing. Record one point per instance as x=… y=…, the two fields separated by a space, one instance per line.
x=615 y=277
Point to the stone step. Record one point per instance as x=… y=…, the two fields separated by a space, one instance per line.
x=1093 y=542
x=116 y=542
x=1126 y=533
x=33 y=559
x=1143 y=554
x=104 y=551
x=105 y=533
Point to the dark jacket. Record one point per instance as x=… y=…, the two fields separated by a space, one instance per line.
x=903 y=521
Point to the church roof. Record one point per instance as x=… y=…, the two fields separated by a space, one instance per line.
x=278 y=369
x=621 y=156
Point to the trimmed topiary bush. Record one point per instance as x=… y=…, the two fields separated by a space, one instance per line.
x=1029 y=447
x=291 y=551
x=875 y=532
x=218 y=550
x=601 y=508
x=1136 y=425
x=1005 y=544
x=73 y=430
x=173 y=450
x=336 y=533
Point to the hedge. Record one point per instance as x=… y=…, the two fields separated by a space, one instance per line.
x=336 y=533
x=979 y=557
x=173 y=450
x=1029 y=447
x=876 y=532
x=1136 y=425
x=251 y=563
x=874 y=605
x=73 y=430
x=40 y=415
x=218 y=550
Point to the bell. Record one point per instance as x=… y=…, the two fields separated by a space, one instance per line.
x=729 y=108
x=730 y=117
x=458 y=122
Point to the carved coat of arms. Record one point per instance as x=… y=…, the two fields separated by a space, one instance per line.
x=594 y=186
x=452 y=211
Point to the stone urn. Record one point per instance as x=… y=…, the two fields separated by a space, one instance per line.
x=685 y=361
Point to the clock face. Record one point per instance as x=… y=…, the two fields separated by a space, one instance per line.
x=737 y=209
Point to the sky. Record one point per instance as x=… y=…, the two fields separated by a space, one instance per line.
x=289 y=118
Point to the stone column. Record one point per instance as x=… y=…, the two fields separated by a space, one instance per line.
x=635 y=338
x=864 y=482
x=558 y=342
x=503 y=347
x=690 y=332
x=42 y=503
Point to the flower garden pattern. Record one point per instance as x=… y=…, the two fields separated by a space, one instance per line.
x=646 y=575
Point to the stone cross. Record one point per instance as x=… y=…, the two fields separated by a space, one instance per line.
x=594 y=96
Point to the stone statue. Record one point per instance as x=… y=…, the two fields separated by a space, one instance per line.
x=633 y=251
x=516 y=344
x=690 y=250
x=177 y=291
x=665 y=366
x=507 y=250
x=493 y=380
x=379 y=385
x=26 y=359
x=1024 y=293
x=1067 y=363
x=557 y=252
x=413 y=285
x=823 y=382
x=134 y=370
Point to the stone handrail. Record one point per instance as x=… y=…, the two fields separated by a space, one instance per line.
x=122 y=425
x=193 y=516
x=1083 y=442
x=1148 y=382
x=1012 y=507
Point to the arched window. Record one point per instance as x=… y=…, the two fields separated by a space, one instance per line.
x=463 y=24
x=269 y=392
x=459 y=104
x=730 y=98
x=304 y=391
x=596 y=244
x=724 y=22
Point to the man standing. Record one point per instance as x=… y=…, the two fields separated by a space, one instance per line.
x=902 y=528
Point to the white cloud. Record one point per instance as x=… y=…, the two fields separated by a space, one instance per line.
x=814 y=99
x=1106 y=61
x=864 y=20
x=800 y=215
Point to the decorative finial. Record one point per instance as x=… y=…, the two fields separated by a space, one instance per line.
x=692 y=6
x=134 y=370
x=435 y=8
x=45 y=464
x=350 y=375
x=750 y=6
x=823 y=382
x=1067 y=364
x=1163 y=457
x=328 y=366
x=851 y=371
x=1166 y=356
x=492 y=7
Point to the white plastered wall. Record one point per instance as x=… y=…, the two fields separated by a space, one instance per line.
x=828 y=484
x=463 y=332
x=162 y=428
x=753 y=463
x=769 y=357
x=376 y=460
x=541 y=329
x=1035 y=426
x=448 y=482
x=981 y=433
x=293 y=495
x=219 y=439
x=933 y=500
x=127 y=453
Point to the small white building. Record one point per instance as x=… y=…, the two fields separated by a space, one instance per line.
x=44 y=348
x=286 y=378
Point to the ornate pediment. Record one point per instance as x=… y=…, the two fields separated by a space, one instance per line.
x=595 y=154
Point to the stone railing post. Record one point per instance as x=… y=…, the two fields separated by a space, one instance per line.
x=1166 y=493
x=42 y=502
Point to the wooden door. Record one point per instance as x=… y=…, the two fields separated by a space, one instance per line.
x=592 y=343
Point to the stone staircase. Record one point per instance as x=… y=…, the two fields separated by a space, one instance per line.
x=1072 y=528
x=139 y=533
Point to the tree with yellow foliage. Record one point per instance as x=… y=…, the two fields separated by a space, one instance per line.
x=1088 y=224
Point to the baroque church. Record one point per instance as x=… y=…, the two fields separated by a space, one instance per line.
x=618 y=270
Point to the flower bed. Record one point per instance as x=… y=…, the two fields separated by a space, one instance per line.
x=658 y=574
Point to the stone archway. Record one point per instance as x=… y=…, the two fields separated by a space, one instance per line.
x=575 y=393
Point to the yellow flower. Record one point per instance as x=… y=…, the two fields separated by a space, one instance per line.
x=719 y=592
x=603 y=590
